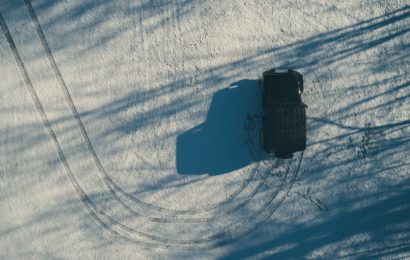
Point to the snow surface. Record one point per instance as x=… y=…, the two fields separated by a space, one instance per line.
x=132 y=131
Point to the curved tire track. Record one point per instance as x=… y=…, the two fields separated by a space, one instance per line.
x=111 y=186
x=227 y=235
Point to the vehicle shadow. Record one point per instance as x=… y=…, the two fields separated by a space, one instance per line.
x=228 y=139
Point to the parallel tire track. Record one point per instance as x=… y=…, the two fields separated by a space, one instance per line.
x=111 y=185
x=233 y=232
x=90 y=206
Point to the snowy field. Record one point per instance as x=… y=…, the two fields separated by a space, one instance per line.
x=130 y=129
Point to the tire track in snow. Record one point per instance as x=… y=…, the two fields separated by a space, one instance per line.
x=224 y=237
x=112 y=186
x=98 y=215
x=70 y=102
x=234 y=231
x=88 y=204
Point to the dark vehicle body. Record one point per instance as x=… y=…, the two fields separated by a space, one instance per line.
x=284 y=114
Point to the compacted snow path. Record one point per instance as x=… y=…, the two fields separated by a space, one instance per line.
x=147 y=108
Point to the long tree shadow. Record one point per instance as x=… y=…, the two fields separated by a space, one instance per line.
x=217 y=146
x=370 y=226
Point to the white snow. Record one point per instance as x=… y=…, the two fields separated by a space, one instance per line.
x=169 y=163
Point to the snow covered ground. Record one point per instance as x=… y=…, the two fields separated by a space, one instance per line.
x=131 y=130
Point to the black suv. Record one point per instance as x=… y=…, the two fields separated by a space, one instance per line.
x=284 y=114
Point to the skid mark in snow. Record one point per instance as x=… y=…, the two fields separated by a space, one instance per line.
x=80 y=192
x=235 y=230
